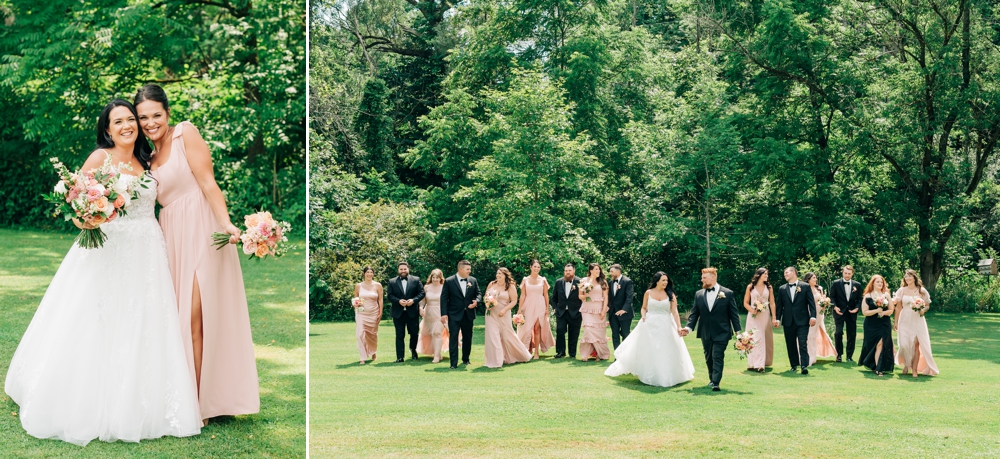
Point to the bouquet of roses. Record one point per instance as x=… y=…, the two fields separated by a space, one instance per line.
x=358 y=303
x=824 y=304
x=883 y=303
x=490 y=300
x=94 y=197
x=758 y=307
x=586 y=287
x=263 y=236
x=745 y=343
x=518 y=319
x=918 y=305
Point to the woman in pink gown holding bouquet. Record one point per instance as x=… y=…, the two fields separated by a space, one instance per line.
x=912 y=301
x=211 y=300
x=819 y=343
x=536 y=333
x=501 y=342
x=431 y=328
x=760 y=293
x=594 y=342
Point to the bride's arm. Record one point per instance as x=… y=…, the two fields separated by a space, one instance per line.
x=645 y=306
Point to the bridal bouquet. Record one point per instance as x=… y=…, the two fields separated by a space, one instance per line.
x=263 y=236
x=358 y=303
x=95 y=197
x=758 y=307
x=586 y=288
x=745 y=343
x=518 y=319
x=825 y=304
x=918 y=305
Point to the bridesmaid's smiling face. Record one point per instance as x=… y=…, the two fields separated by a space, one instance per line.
x=153 y=118
x=909 y=280
x=812 y=282
x=501 y=278
x=369 y=274
x=595 y=272
x=122 y=126
x=536 y=267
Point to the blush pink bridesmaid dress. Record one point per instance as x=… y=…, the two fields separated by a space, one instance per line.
x=595 y=327
x=366 y=322
x=535 y=314
x=431 y=329
x=229 y=384
x=501 y=342
x=819 y=343
x=762 y=323
x=912 y=334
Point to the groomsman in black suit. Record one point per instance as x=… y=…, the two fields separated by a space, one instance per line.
x=405 y=293
x=846 y=296
x=620 y=313
x=459 y=297
x=566 y=301
x=796 y=311
x=714 y=313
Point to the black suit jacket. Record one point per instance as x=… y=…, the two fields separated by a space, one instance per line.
x=796 y=312
x=414 y=291
x=561 y=303
x=453 y=303
x=719 y=324
x=621 y=301
x=844 y=302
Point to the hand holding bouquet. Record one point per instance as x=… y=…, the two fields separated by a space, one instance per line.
x=518 y=319
x=358 y=303
x=918 y=305
x=93 y=198
x=586 y=287
x=824 y=304
x=758 y=307
x=883 y=303
x=264 y=236
x=490 y=300
x=745 y=343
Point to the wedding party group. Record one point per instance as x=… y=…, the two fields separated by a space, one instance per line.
x=144 y=330
x=439 y=317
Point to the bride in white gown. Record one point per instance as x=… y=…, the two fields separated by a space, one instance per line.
x=102 y=357
x=654 y=352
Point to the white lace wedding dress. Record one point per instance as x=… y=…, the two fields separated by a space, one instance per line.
x=654 y=352
x=102 y=357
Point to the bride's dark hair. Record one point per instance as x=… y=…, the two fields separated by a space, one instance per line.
x=670 y=284
x=140 y=149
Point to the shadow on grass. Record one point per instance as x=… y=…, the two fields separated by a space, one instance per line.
x=632 y=383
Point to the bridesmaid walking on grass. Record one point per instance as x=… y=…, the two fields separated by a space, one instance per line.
x=760 y=294
x=536 y=333
x=501 y=342
x=431 y=328
x=876 y=350
x=912 y=301
x=820 y=344
x=368 y=315
x=594 y=311
x=211 y=300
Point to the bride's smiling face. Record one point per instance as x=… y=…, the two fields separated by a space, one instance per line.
x=662 y=283
x=122 y=127
x=153 y=118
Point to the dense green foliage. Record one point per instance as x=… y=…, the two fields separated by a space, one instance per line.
x=235 y=68
x=662 y=135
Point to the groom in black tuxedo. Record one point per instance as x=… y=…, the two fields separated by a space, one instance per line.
x=714 y=312
x=405 y=293
x=796 y=311
x=459 y=297
x=620 y=313
x=566 y=302
x=846 y=294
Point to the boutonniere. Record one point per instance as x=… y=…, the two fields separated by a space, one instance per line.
x=722 y=295
x=798 y=289
x=854 y=289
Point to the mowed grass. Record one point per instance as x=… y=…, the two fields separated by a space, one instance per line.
x=277 y=301
x=569 y=409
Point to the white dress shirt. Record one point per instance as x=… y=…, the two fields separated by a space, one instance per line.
x=569 y=287
x=403 y=283
x=847 y=289
x=464 y=283
x=791 y=289
x=711 y=296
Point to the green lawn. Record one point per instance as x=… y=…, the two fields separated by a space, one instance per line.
x=275 y=289
x=562 y=408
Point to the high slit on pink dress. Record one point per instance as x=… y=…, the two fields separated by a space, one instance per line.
x=229 y=384
x=535 y=314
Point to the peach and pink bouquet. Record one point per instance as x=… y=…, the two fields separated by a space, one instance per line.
x=883 y=303
x=918 y=305
x=586 y=287
x=490 y=300
x=94 y=197
x=824 y=304
x=745 y=343
x=263 y=236
x=758 y=307
x=358 y=304
x=518 y=319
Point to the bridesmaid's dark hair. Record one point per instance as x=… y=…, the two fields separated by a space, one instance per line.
x=807 y=276
x=533 y=262
x=670 y=284
x=756 y=277
x=600 y=277
x=140 y=149
x=366 y=269
x=153 y=92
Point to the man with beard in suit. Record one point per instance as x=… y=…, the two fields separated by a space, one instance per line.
x=405 y=293
x=566 y=302
x=459 y=297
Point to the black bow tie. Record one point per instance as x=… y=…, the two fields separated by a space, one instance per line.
x=710 y=289
x=462 y=280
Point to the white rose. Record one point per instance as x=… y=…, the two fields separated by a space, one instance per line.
x=128 y=199
x=121 y=185
x=61 y=187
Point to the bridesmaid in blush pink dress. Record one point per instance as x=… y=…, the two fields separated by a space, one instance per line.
x=431 y=328
x=501 y=342
x=211 y=300
x=594 y=342
x=914 y=353
x=368 y=316
x=759 y=291
x=819 y=343
x=536 y=333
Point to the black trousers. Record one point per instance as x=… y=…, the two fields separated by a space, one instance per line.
x=850 y=322
x=715 y=354
x=798 y=355
x=405 y=324
x=566 y=323
x=620 y=327
x=463 y=324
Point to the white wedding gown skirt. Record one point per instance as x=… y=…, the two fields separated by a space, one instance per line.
x=654 y=352
x=102 y=357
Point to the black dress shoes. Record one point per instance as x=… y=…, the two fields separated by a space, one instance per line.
x=715 y=388
x=559 y=356
x=399 y=360
x=453 y=367
x=414 y=355
x=805 y=371
x=838 y=359
x=466 y=362
x=850 y=359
